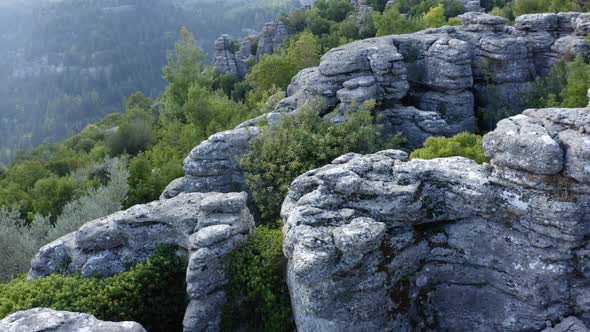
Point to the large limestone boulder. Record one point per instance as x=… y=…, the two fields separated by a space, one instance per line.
x=214 y=165
x=379 y=243
x=48 y=320
x=207 y=226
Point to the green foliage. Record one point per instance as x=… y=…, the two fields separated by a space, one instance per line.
x=257 y=291
x=578 y=81
x=151 y=293
x=334 y=10
x=304 y=51
x=139 y=101
x=276 y=70
x=392 y=22
x=20 y=240
x=565 y=85
x=306 y=141
x=464 y=145
x=184 y=68
x=522 y=7
x=435 y=17
x=158 y=134
x=52 y=194
x=133 y=135
x=272 y=70
x=507 y=11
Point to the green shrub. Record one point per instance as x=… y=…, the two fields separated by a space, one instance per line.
x=305 y=141
x=257 y=291
x=151 y=293
x=464 y=144
x=565 y=85
x=19 y=243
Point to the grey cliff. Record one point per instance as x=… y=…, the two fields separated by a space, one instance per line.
x=379 y=243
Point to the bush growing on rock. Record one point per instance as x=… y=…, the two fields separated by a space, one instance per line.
x=257 y=290
x=464 y=144
x=151 y=293
x=302 y=142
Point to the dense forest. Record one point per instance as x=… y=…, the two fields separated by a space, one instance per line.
x=64 y=64
x=128 y=158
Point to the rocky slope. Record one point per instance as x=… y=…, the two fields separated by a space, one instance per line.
x=378 y=243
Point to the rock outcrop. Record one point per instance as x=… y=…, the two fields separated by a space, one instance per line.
x=209 y=226
x=213 y=166
x=230 y=61
x=48 y=320
x=472 y=5
x=271 y=37
x=378 y=243
x=445 y=73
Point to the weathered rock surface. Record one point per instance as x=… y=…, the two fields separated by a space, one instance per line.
x=48 y=320
x=226 y=227
x=449 y=71
x=378 y=243
x=213 y=166
x=271 y=37
x=228 y=61
x=570 y=324
x=209 y=226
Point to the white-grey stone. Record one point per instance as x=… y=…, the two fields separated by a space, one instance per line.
x=376 y=243
x=49 y=320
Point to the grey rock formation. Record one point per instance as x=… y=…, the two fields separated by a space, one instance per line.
x=472 y=5
x=415 y=125
x=271 y=37
x=209 y=226
x=570 y=324
x=48 y=320
x=213 y=166
x=226 y=227
x=449 y=71
x=378 y=243
x=370 y=68
x=107 y=246
x=228 y=61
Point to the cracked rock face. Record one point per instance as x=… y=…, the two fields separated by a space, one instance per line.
x=448 y=72
x=213 y=166
x=48 y=320
x=209 y=226
x=271 y=37
x=378 y=243
x=228 y=62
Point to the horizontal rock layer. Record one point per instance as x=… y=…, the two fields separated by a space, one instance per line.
x=447 y=72
x=214 y=165
x=378 y=243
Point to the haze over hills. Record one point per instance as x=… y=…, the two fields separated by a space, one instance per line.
x=66 y=63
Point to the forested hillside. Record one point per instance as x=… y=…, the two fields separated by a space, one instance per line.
x=175 y=101
x=64 y=64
